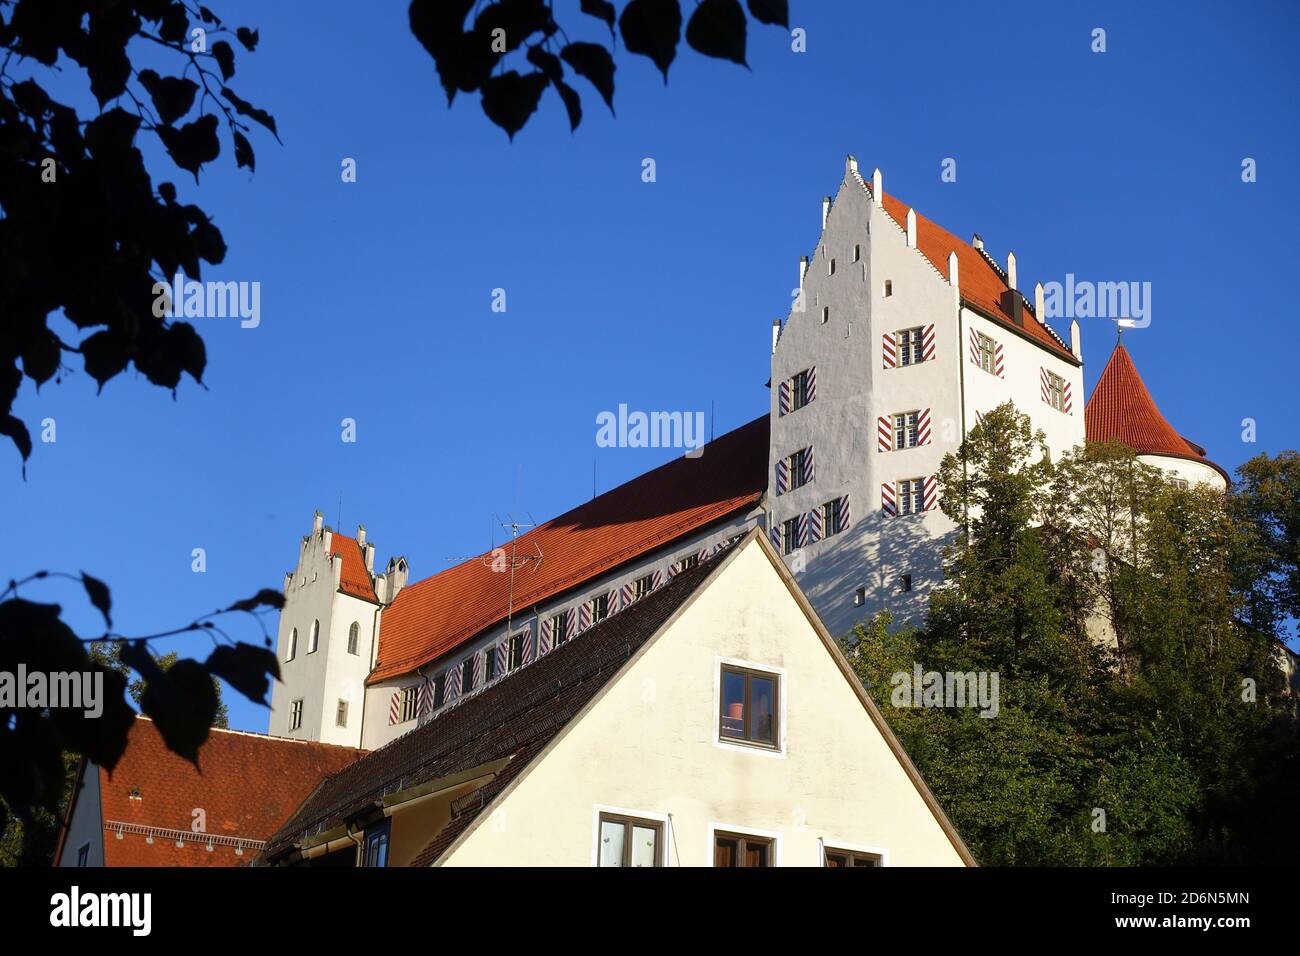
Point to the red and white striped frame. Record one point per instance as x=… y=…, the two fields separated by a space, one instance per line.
x=480 y=662
x=815 y=525
x=526 y=644
x=1067 y=397
x=999 y=360
x=782 y=476
x=974 y=347
x=888 y=351
x=451 y=683
x=783 y=398
x=657 y=580
x=884 y=433
x=584 y=616
x=888 y=499
x=812 y=384
x=544 y=637
x=930 y=492
x=502 y=652
x=803 y=529
x=393 y=707
x=923 y=427
x=628 y=595
x=844 y=513
x=928 y=340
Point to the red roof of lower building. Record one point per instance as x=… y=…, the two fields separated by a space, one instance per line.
x=1121 y=409
x=436 y=615
x=354 y=579
x=245 y=784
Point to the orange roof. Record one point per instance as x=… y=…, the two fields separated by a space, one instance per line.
x=434 y=616
x=354 y=580
x=981 y=283
x=246 y=784
x=1122 y=409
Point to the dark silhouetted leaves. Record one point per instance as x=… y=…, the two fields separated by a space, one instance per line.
x=771 y=11
x=243 y=151
x=717 y=28
x=175 y=24
x=99 y=596
x=602 y=9
x=183 y=704
x=548 y=63
x=572 y=103
x=105 y=354
x=245 y=108
x=172 y=96
x=246 y=668
x=224 y=54
x=247 y=37
x=439 y=25
x=593 y=62
x=13 y=429
x=652 y=28
x=164 y=357
x=267 y=597
x=193 y=144
x=111 y=133
x=41 y=354
x=509 y=99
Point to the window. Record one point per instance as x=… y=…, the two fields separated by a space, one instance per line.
x=738 y=849
x=354 y=634
x=374 y=849
x=799 y=390
x=293 y=645
x=690 y=561
x=643 y=586
x=905 y=429
x=830 y=268
x=341 y=714
x=789 y=535
x=83 y=855
x=599 y=607
x=1055 y=391
x=860 y=597
x=1179 y=483
x=851 y=858
x=408 y=705
x=295 y=715
x=909 y=346
x=857 y=253
x=313 y=642
x=560 y=628
x=467 y=675
x=796 y=466
x=832 y=517
x=889 y=288
x=911 y=496
x=629 y=841
x=905 y=583
x=516 y=650
x=748 y=701
x=826 y=314
x=986 y=350
x=440 y=690
x=492 y=661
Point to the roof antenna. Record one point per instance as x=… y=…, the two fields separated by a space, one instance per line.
x=339 y=526
x=499 y=561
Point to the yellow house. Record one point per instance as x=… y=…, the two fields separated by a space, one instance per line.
x=715 y=722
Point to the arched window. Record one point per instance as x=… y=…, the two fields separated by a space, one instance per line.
x=354 y=632
x=314 y=641
x=293 y=645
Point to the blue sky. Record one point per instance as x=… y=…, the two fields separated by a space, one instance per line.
x=376 y=295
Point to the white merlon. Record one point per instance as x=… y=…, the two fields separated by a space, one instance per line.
x=1076 y=340
x=911 y=228
x=1011 y=270
x=877 y=188
x=1038 y=303
x=803 y=270
x=952 y=277
x=976 y=241
x=826 y=209
x=850 y=165
x=776 y=334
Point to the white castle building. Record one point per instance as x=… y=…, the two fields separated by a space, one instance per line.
x=900 y=339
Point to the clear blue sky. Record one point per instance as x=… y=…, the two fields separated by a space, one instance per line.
x=376 y=295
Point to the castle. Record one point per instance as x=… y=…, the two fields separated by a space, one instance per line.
x=900 y=338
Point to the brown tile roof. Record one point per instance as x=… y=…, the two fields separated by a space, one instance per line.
x=354 y=578
x=246 y=784
x=982 y=284
x=513 y=719
x=1121 y=409
x=436 y=615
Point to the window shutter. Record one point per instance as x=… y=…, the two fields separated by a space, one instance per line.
x=480 y=660
x=1069 y=401
x=813 y=522
x=526 y=642
x=999 y=368
x=393 y=707
x=571 y=622
x=628 y=595
x=930 y=492
x=451 y=683
x=544 y=638
x=803 y=529
x=782 y=476
x=928 y=341
x=658 y=580
x=783 y=406
x=1046 y=385
x=888 y=503
x=844 y=513
x=809 y=466
x=884 y=434
x=923 y=427
x=503 y=656
x=974 y=347
x=888 y=351
x=611 y=603
x=812 y=384
x=584 y=616
x=774 y=532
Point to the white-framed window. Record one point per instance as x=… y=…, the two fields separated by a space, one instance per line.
x=905 y=429
x=910 y=350
x=1056 y=391
x=911 y=496
x=341 y=714
x=789 y=535
x=295 y=715
x=799 y=390
x=832 y=517
x=313 y=639
x=643 y=586
x=408 y=704
x=292 y=651
x=599 y=607
x=354 y=635
x=987 y=349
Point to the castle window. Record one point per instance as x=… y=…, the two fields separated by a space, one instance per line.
x=889 y=288
x=559 y=628
x=800 y=390
x=789 y=535
x=516 y=650
x=859 y=597
x=690 y=561
x=1179 y=483
x=313 y=642
x=857 y=253
x=830 y=268
x=910 y=347
x=904 y=583
x=341 y=714
x=826 y=314
x=905 y=430
x=293 y=645
x=798 y=468
x=911 y=496
x=492 y=662
x=599 y=607
x=467 y=675
x=986 y=350
x=1055 y=390
x=408 y=704
x=439 y=690
x=643 y=586
x=354 y=632
x=832 y=517
x=295 y=715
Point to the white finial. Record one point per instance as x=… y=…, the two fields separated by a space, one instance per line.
x=803 y=269
x=1076 y=340
x=877 y=188
x=826 y=209
x=850 y=164
x=1039 y=307
x=1011 y=270
x=911 y=228
x=952 y=278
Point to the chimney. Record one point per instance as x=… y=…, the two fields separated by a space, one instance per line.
x=826 y=209
x=911 y=228
x=877 y=188
x=317 y=522
x=370 y=558
x=850 y=165
x=1014 y=306
x=1039 y=307
x=976 y=241
x=776 y=334
x=1076 y=340
x=1011 y=270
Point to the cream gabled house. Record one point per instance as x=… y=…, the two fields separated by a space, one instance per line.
x=713 y=723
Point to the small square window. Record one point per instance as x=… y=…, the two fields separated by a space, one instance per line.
x=906 y=430
x=295 y=715
x=789 y=535
x=749 y=706
x=686 y=563
x=800 y=390
x=599 y=607
x=986 y=354
x=629 y=841
x=851 y=858
x=341 y=714
x=857 y=253
x=743 y=849
x=860 y=597
x=905 y=583
x=1055 y=386
x=408 y=705
x=889 y=288
x=911 y=349
x=832 y=517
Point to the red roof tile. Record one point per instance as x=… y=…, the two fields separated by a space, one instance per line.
x=433 y=616
x=981 y=284
x=1122 y=409
x=354 y=580
x=246 y=784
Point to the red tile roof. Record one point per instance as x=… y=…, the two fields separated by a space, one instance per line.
x=1122 y=409
x=247 y=785
x=434 y=616
x=354 y=580
x=980 y=282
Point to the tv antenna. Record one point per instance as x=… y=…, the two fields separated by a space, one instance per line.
x=502 y=560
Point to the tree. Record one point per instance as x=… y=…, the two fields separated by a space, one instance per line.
x=474 y=60
x=1267 y=501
